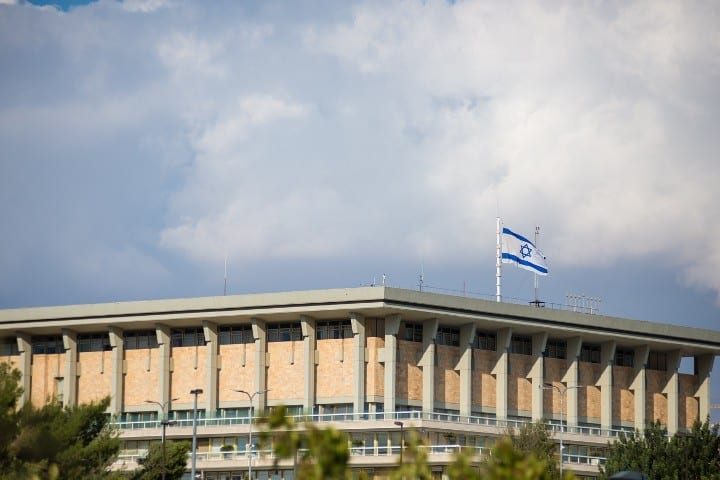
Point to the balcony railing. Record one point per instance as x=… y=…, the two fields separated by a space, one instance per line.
x=403 y=415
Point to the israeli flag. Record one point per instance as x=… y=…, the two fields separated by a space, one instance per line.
x=518 y=249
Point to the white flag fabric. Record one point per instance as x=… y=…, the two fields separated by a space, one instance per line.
x=518 y=249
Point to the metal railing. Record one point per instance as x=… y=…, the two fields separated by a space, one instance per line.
x=387 y=416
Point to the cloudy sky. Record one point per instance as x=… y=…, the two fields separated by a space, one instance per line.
x=322 y=144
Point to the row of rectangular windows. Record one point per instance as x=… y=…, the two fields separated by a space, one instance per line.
x=326 y=330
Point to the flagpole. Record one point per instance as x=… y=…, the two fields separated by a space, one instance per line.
x=498 y=262
x=537 y=232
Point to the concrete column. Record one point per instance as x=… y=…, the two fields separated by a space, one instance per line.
x=210 y=330
x=639 y=385
x=71 y=359
x=25 y=366
x=358 y=327
x=307 y=324
x=671 y=391
x=162 y=332
x=259 y=330
x=392 y=327
x=703 y=369
x=427 y=363
x=570 y=379
x=500 y=370
x=605 y=382
x=464 y=366
x=537 y=375
x=117 y=356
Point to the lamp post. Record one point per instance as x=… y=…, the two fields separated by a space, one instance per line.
x=195 y=392
x=402 y=440
x=251 y=397
x=562 y=392
x=164 y=422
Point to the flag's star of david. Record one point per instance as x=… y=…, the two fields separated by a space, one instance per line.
x=525 y=250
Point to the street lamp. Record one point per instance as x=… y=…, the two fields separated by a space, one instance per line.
x=164 y=422
x=195 y=392
x=562 y=392
x=402 y=441
x=251 y=397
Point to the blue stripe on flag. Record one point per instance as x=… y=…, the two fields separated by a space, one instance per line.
x=519 y=237
x=519 y=260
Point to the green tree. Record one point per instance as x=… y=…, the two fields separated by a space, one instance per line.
x=52 y=441
x=695 y=455
x=176 y=454
x=509 y=463
x=534 y=438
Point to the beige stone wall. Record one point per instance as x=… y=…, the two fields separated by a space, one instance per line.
x=447 y=379
x=95 y=370
x=13 y=360
x=142 y=377
x=285 y=371
x=189 y=372
x=688 y=403
x=45 y=368
x=553 y=400
x=483 y=382
x=623 y=398
x=519 y=387
x=375 y=373
x=589 y=395
x=233 y=375
x=335 y=369
x=409 y=375
x=655 y=400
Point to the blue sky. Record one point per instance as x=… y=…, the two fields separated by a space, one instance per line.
x=322 y=144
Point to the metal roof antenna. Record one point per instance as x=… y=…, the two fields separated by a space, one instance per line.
x=225 y=282
x=421 y=278
x=384 y=277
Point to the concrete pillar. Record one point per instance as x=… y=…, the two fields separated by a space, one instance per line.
x=427 y=363
x=162 y=332
x=392 y=327
x=259 y=329
x=464 y=366
x=703 y=369
x=357 y=322
x=605 y=382
x=671 y=391
x=639 y=385
x=25 y=366
x=70 y=377
x=500 y=370
x=570 y=379
x=117 y=356
x=307 y=324
x=537 y=375
x=210 y=330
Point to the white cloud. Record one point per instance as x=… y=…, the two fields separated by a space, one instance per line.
x=394 y=130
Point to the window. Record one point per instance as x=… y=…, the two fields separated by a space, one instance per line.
x=47 y=345
x=521 y=345
x=236 y=334
x=181 y=415
x=624 y=357
x=657 y=361
x=8 y=346
x=556 y=349
x=334 y=329
x=485 y=341
x=188 y=337
x=139 y=340
x=590 y=353
x=448 y=336
x=139 y=416
x=94 y=342
x=413 y=332
x=284 y=332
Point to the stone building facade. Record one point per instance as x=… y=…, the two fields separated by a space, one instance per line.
x=458 y=371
